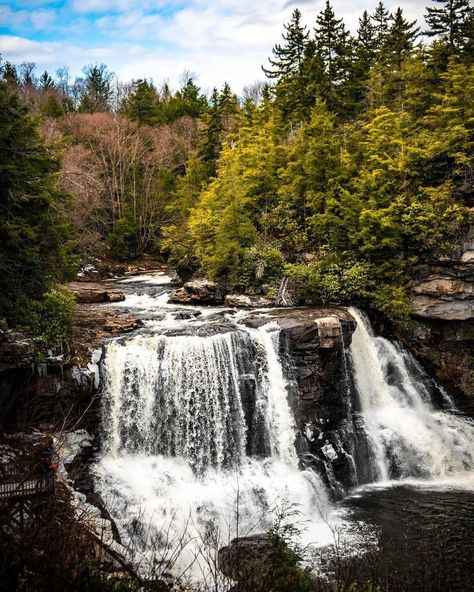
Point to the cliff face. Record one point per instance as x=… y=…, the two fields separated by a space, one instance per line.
x=442 y=336
x=53 y=388
x=322 y=396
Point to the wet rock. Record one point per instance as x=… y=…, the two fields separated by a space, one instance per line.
x=183 y=315
x=244 y=555
x=95 y=323
x=92 y=292
x=245 y=301
x=16 y=351
x=199 y=291
x=312 y=347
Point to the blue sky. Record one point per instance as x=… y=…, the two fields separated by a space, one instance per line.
x=226 y=40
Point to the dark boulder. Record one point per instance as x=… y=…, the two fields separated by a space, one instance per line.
x=199 y=291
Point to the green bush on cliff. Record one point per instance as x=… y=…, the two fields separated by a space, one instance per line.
x=261 y=264
x=331 y=281
x=49 y=318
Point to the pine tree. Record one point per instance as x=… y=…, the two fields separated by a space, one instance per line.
x=142 y=104
x=366 y=45
x=400 y=39
x=45 y=81
x=30 y=235
x=381 y=19
x=331 y=40
x=9 y=73
x=212 y=142
x=335 y=48
x=449 y=23
x=190 y=99
x=98 y=89
x=289 y=57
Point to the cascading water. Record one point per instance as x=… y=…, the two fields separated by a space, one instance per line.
x=198 y=432
x=199 y=437
x=408 y=436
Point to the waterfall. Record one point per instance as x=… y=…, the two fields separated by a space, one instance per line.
x=180 y=396
x=199 y=436
x=176 y=396
x=408 y=436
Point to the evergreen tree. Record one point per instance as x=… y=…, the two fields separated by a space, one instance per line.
x=212 y=141
x=190 y=99
x=334 y=47
x=10 y=74
x=381 y=19
x=449 y=23
x=30 y=233
x=289 y=57
x=400 y=39
x=142 y=104
x=97 y=89
x=366 y=45
x=45 y=81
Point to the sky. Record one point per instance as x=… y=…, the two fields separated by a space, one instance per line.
x=225 y=40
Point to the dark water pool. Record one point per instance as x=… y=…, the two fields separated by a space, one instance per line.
x=425 y=538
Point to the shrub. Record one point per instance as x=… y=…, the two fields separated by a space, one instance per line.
x=261 y=265
x=124 y=239
x=50 y=318
x=331 y=281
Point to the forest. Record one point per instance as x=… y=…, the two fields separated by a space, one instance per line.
x=346 y=170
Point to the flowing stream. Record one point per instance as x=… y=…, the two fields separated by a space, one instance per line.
x=199 y=436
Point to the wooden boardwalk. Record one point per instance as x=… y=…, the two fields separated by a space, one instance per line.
x=27 y=489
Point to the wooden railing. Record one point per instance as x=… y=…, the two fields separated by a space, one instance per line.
x=30 y=488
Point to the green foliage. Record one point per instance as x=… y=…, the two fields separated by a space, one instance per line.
x=370 y=198
x=32 y=236
x=50 y=318
x=332 y=280
x=97 y=89
x=124 y=238
x=148 y=106
x=261 y=264
x=53 y=107
x=142 y=104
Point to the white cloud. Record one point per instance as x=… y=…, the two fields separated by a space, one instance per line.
x=222 y=41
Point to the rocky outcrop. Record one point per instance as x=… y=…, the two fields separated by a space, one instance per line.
x=445 y=297
x=16 y=351
x=321 y=392
x=248 y=301
x=262 y=561
x=199 y=291
x=442 y=332
x=93 y=292
x=95 y=324
x=445 y=287
x=245 y=555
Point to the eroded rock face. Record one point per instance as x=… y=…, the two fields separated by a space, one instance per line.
x=445 y=289
x=92 y=292
x=199 y=291
x=442 y=335
x=445 y=297
x=322 y=397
